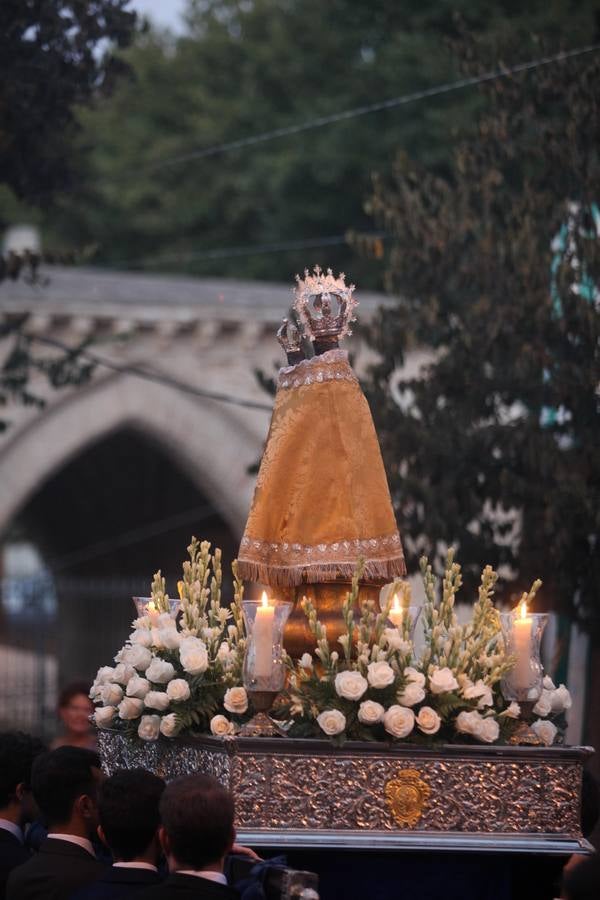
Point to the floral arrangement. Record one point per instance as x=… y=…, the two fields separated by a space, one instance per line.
x=183 y=675
x=376 y=689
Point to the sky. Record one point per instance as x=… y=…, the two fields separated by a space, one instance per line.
x=164 y=13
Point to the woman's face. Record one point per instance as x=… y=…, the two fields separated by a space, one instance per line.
x=75 y=714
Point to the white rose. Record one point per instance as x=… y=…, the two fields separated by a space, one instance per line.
x=142 y=636
x=169 y=725
x=399 y=721
x=220 y=726
x=193 y=655
x=137 y=687
x=130 y=708
x=306 y=661
x=170 y=638
x=178 y=690
x=149 y=728
x=350 y=685
x=104 y=715
x=479 y=690
x=414 y=676
x=512 y=712
x=412 y=694
x=487 y=730
x=428 y=720
x=236 y=700
x=468 y=722
x=442 y=680
x=548 y=684
x=123 y=673
x=166 y=620
x=156 y=700
x=560 y=699
x=543 y=707
x=546 y=731
x=160 y=671
x=331 y=721
x=380 y=674
x=105 y=674
x=111 y=694
x=370 y=713
x=137 y=656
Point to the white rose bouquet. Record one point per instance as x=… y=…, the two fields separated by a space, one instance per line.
x=181 y=674
x=377 y=690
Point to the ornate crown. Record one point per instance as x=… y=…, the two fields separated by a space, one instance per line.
x=314 y=304
x=289 y=337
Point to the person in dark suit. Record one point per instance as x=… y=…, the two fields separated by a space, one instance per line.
x=128 y=809
x=197 y=832
x=65 y=786
x=17 y=752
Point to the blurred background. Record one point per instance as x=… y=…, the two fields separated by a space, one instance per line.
x=165 y=170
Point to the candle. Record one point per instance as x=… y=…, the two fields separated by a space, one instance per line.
x=263 y=638
x=396 y=612
x=521 y=675
x=152 y=611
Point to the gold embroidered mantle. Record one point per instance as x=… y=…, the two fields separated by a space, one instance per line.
x=321 y=499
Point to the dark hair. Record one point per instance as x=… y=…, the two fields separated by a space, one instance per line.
x=59 y=777
x=17 y=753
x=197 y=814
x=582 y=882
x=72 y=690
x=128 y=809
x=590 y=803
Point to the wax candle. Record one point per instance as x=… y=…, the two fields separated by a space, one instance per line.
x=396 y=612
x=263 y=638
x=152 y=611
x=521 y=675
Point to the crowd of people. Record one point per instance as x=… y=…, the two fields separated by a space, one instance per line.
x=67 y=832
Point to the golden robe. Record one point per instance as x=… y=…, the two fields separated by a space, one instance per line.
x=321 y=500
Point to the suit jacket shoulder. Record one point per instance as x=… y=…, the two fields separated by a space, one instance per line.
x=116 y=883
x=12 y=854
x=58 y=869
x=188 y=887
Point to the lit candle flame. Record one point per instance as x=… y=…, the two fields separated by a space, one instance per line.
x=523 y=608
x=264 y=599
x=396 y=604
x=151 y=606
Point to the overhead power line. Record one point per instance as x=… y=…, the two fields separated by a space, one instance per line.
x=151 y=375
x=403 y=100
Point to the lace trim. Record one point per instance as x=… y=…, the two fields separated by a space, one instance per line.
x=330 y=366
x=291 y=563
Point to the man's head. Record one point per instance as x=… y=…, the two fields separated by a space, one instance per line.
x=65 y=785
x=197 y=823
x=17 y=753
x=128 y=806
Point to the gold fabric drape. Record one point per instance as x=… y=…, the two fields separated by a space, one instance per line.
x=321 y=499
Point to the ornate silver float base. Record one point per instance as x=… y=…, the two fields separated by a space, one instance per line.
x=307 y=793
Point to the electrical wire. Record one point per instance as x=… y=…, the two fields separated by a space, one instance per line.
x=403 y=100
x=150 y=375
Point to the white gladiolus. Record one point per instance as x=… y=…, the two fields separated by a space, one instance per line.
x=306 y=661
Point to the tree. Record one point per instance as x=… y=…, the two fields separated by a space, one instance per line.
x=51 y=61
x=495 y=447
x=245 y=68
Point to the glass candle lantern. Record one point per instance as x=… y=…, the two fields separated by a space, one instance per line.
x=265 y=619
x=403 y=614
x=522 y=633
x=145 y=606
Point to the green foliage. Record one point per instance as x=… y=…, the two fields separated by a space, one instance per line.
x=472 y=455
x=246 y=68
